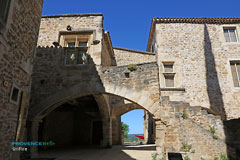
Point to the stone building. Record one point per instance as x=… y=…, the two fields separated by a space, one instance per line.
x=19 y=26
x=187 y=82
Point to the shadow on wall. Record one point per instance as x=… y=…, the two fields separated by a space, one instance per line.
x=213 y=86
x=216 y=99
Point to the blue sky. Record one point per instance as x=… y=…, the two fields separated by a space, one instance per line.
x=135 y=121
x=129 y=20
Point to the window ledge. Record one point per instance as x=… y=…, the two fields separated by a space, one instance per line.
x=172 y=89
x=169 y=73
x=229 y=43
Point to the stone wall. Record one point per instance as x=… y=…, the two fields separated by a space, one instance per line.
x=128 y=56
x=17 y=45
x=50 y=75
x=201 y=63
x=190 y=127
x=51 y=26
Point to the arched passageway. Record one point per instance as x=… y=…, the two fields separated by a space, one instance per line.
x=76 y=122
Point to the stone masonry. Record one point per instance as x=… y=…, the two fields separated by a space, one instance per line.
x=18 y=39
x=197 y=117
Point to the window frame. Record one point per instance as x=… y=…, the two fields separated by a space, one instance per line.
x=236 y=69
x=4 y=19
x=18 y=96
x=173 y=76
x=235 y=32
x=168 y=74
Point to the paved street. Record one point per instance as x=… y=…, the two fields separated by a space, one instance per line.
x=141 y=152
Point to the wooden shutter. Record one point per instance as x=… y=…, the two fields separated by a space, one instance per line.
x=232 y=35
x=234 y=74
x=226 y=35
x=238 y=70
x=169 y=81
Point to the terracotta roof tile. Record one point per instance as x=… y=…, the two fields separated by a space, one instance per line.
x=224 y=20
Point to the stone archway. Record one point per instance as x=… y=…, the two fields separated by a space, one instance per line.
x=52 y=102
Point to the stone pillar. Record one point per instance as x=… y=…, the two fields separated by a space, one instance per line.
x=116 y=130
x=149 y=136
x=107 y=133
x=34 y=137
x=160 y=138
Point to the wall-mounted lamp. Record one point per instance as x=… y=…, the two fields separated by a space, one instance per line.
x=69 y=28
x=56 y=44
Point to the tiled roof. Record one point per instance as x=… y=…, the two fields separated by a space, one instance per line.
x=224 y=20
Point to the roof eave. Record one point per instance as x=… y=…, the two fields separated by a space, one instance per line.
x=150 y=37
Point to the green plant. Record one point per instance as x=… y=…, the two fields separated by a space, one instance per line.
x=215 y=158
x=193 y=151
x=202 y=158
x=185 y=147
x=154 y=156
x=132 y=67
x=215 y=137
x=125 y=129
x=187 y=158
x=212 y=130
x=184 y=115
x=223 y=157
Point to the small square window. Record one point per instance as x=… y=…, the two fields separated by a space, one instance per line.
x=14 y=96
x=168 y=67
x=230 y=34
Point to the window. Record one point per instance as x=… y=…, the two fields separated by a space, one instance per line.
x=71 y=44
x=168 y=74
x=4 y=8
x=169 y=81
x=14 y=96
x=235 y=68
x=76 y=56
x=153 y=48
x=76 y=45
x=168 y=67
x=230 y=34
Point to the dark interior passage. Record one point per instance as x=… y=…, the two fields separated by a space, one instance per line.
x=232 y=130
x=77 y=122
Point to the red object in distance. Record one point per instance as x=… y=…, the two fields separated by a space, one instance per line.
x=140 y=137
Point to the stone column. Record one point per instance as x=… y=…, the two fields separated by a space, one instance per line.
x=160 y=138
x=116 y=130
x=107 y=133
x=149 y=136
x=34 y=137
